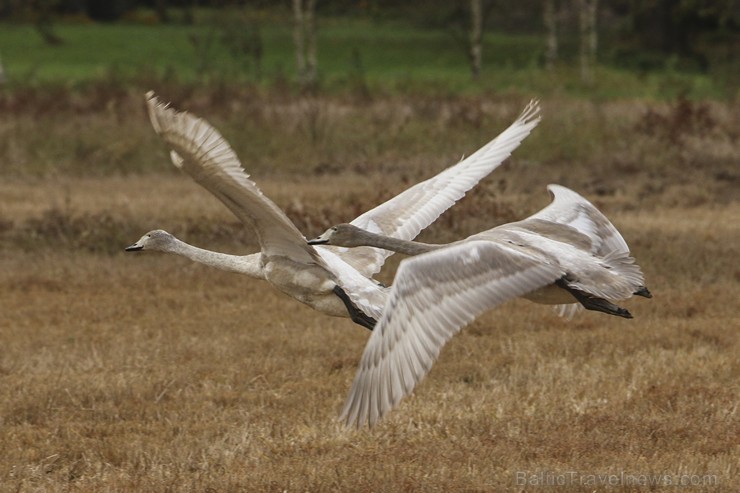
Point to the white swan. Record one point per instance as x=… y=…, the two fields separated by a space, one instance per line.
x=332 y=280
x=568 y=252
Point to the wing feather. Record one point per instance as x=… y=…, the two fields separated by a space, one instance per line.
x=199 y=149
x=408 y=213
x=433 y=296
x=570 y=208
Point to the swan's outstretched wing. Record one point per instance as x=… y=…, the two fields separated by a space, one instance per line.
x=408 y=213
x=201 y=151
x=570 y=208
x=433 y=296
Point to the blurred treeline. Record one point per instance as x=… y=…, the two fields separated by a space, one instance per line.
x=643 y=35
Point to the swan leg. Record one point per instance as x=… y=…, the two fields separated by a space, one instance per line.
x=357 y=315
x=594 y=303
x=644 y=292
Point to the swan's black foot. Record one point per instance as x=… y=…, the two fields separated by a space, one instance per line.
x=358 y=316
x=593 y=303
x=644 y=292
x=602 y=305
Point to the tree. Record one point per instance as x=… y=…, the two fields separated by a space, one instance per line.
x=464 y=21
x=189 y=14
x=476 y=37
x=692 y=31
x=588 y=38
x=304 y=37
x=160 y=7
x=44 y=13
x=551 y=37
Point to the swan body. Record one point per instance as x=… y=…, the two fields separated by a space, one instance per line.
x=567 y=253
x=335 y=281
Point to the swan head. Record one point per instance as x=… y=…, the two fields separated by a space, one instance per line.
x=345 y=235
x=157 y=240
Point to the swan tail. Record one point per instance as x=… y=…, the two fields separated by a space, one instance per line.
x=630 y=277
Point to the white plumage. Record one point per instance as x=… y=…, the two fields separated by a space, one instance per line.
x=310 y=274
x=568 y=252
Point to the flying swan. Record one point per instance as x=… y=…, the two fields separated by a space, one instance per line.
x=331 y=280
x=568 y=253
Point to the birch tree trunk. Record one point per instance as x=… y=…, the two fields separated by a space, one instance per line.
x=551 y=36
x=304 y=38
x=298 y=41
x=589 y=39
x=476 y=37
x=311 y=60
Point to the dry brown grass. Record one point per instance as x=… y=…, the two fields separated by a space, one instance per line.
x=147 y=373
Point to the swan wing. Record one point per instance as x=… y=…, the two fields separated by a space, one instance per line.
x=433 y=296
x=571 y=209
x=201 y=151
x=408 y=213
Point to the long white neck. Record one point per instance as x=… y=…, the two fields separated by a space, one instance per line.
x=394 y=244
x=242 y=264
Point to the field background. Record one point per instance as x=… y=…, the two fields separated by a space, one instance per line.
x=143 y=372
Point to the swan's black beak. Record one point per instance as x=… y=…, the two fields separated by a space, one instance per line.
x=318 y=241
x=134 y=248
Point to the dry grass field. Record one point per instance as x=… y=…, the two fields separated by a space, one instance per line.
x=143 y=372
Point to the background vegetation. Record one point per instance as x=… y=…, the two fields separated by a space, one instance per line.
x=656 y=49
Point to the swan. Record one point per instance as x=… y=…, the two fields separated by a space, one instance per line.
x=567 y=253
x=332 y=280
